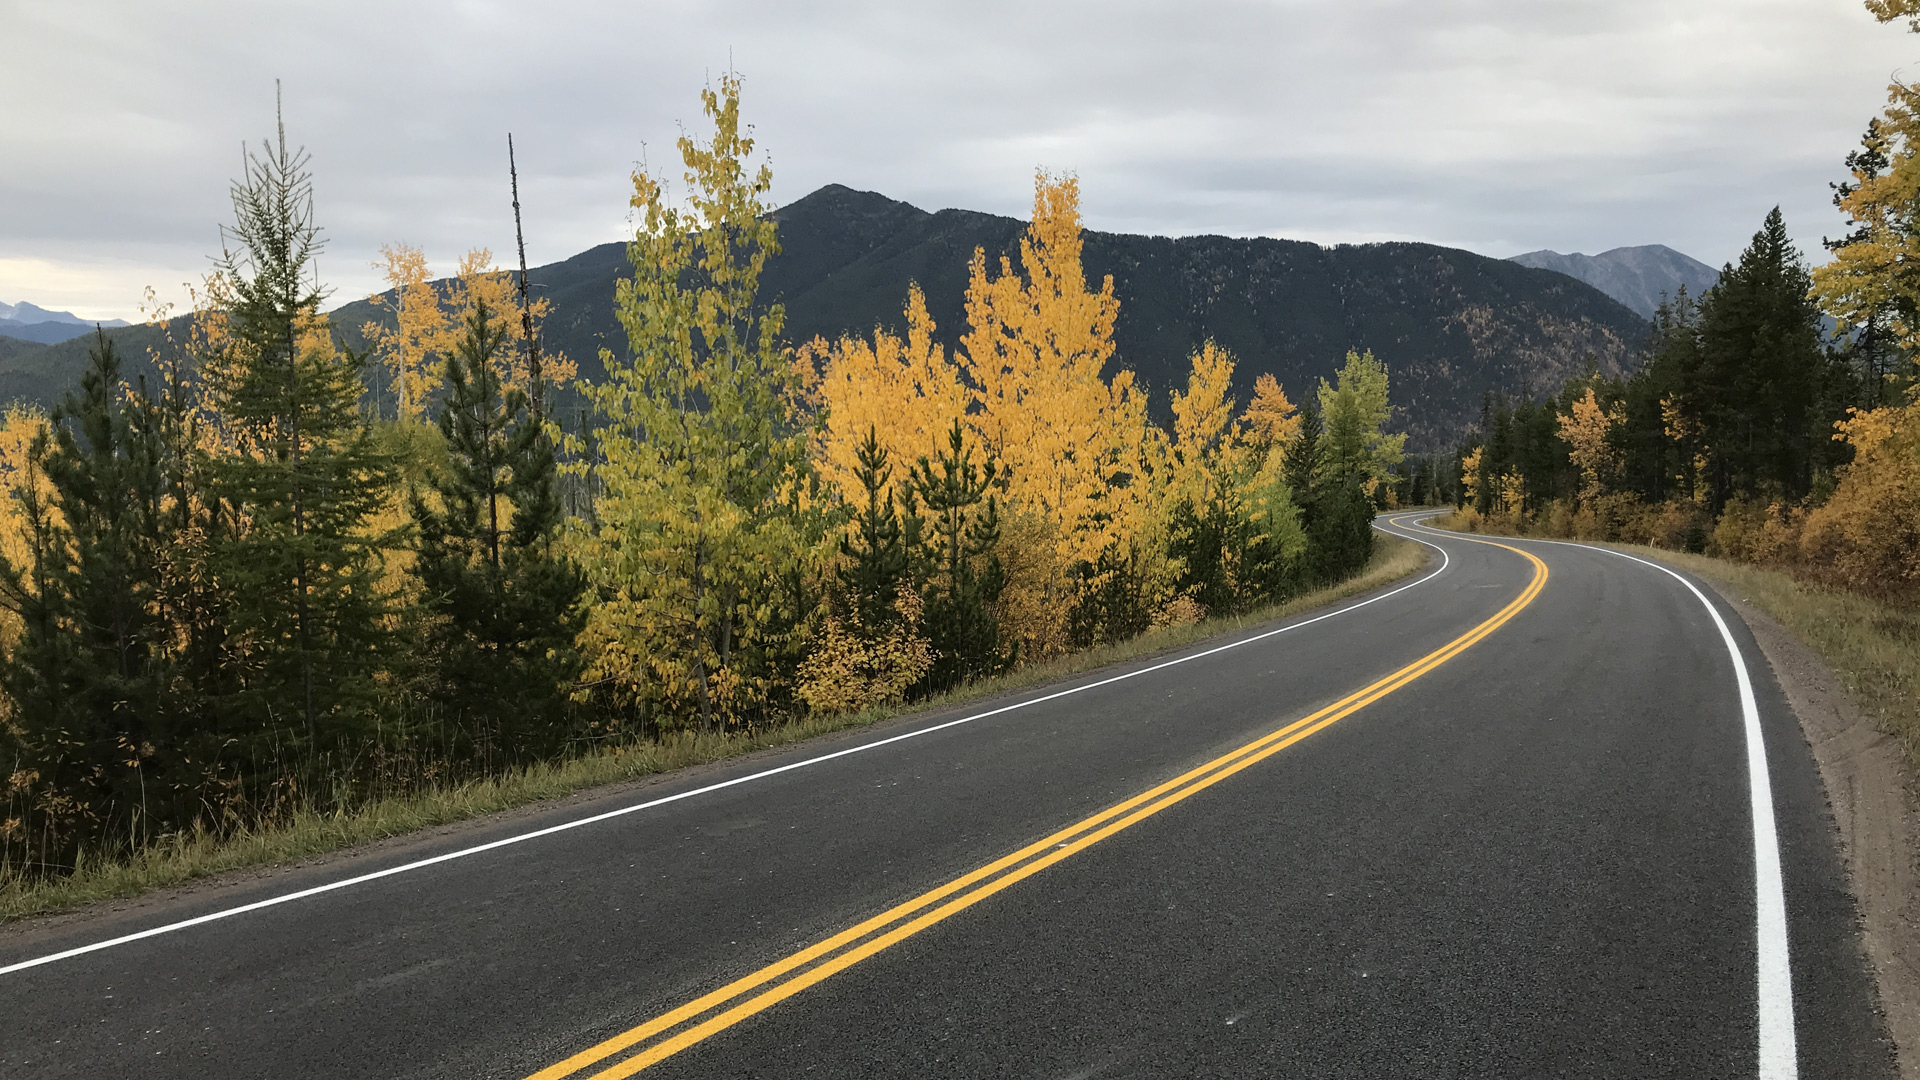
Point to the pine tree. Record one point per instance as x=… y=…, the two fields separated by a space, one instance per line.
x=964 y=577
x=504 y=602
x=1303 y=456
x=1765 y=394
x=876 y=551
x=304 y=474
x=88 y=681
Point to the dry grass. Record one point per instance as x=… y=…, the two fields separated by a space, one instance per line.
x=307 y=834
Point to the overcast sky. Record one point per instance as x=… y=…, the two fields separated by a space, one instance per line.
x=1500 y=126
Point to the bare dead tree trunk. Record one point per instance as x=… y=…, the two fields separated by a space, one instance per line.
x=536 y=389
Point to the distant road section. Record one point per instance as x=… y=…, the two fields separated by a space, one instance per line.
x=1500 y=820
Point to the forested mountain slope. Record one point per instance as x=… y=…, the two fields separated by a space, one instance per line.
x=1449 y=324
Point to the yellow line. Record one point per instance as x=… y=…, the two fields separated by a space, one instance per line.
x=1060 y=845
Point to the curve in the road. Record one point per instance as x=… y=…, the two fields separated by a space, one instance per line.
x=1779 y=1059
x=781 y=980
x=568 y=826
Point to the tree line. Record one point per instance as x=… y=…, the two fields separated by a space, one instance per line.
x=1775 y=418
x=274 y=572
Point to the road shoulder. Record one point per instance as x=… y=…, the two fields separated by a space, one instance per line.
x=1876 y=813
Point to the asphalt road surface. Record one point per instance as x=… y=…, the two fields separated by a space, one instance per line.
x=1500 y=820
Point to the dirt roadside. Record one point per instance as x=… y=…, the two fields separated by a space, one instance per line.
x=1878 y=815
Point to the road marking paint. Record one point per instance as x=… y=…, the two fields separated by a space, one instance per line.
x=450 y=856
x=834 y=954
x=1779 y=1055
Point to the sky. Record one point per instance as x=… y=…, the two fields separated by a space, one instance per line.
x=1499 y=126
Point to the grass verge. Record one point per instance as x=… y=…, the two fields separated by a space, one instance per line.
x=1874 y=647
x=307 y=834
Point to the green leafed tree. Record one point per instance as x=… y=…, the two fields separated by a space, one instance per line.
x=1358 y=449
x=702 y=452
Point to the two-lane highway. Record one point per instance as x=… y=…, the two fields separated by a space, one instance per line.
x=1498 y=820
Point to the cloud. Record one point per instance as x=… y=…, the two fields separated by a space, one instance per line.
x=1496 y=125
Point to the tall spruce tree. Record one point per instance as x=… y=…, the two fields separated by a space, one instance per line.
x=303 y=475
x=878 y=551
x=964 y=576
x=1334 y=508
x=504 y=602
x=1302 y=456
x=88 y=680
x=1765 y=393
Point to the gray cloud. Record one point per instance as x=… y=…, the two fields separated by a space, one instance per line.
x=1496 y=125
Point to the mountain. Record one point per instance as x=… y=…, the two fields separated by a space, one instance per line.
x=11 y=347
x=1638 y=277
x=32 y=313
x=1450 y=325
x=29 y=322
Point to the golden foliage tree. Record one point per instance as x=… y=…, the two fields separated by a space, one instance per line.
x=1077 y=446
x=1270 y=418
x=410 y=349
x=852 y=666
x=1207 y=448
x=906 y=392
x=479 y=282
x=1588 y=430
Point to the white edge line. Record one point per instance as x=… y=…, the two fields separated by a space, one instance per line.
x=1779 y=1056
x=421 y=864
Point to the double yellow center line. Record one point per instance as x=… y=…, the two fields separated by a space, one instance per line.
x=721 y=1009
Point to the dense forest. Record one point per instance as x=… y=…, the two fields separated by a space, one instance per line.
x=1748 y=430
x=274 y=565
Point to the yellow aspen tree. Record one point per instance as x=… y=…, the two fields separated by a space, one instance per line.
x=1586 y=429
x=1077 y=446
x=1270 y=418
x=18 y=430
x=410 y=349
x=1470 y=477
x=1513 y=493
x=1206 y=439
x=908 y=392
x=479 y=281
x=1867 y=535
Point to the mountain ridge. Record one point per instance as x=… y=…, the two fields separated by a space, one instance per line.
x=1640 y=277
x=1451 y=325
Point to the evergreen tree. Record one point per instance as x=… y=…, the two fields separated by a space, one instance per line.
x=1301 y=460
x=1335 y=511
x=303 y=475
x=88 y=679
x=1873 y=346
x=964 y=577
x=504 y=602
x=877 y=559
x=1765 y=394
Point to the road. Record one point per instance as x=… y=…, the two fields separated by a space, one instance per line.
x=1514 y=836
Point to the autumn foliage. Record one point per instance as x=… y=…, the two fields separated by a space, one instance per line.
x=292 y=574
